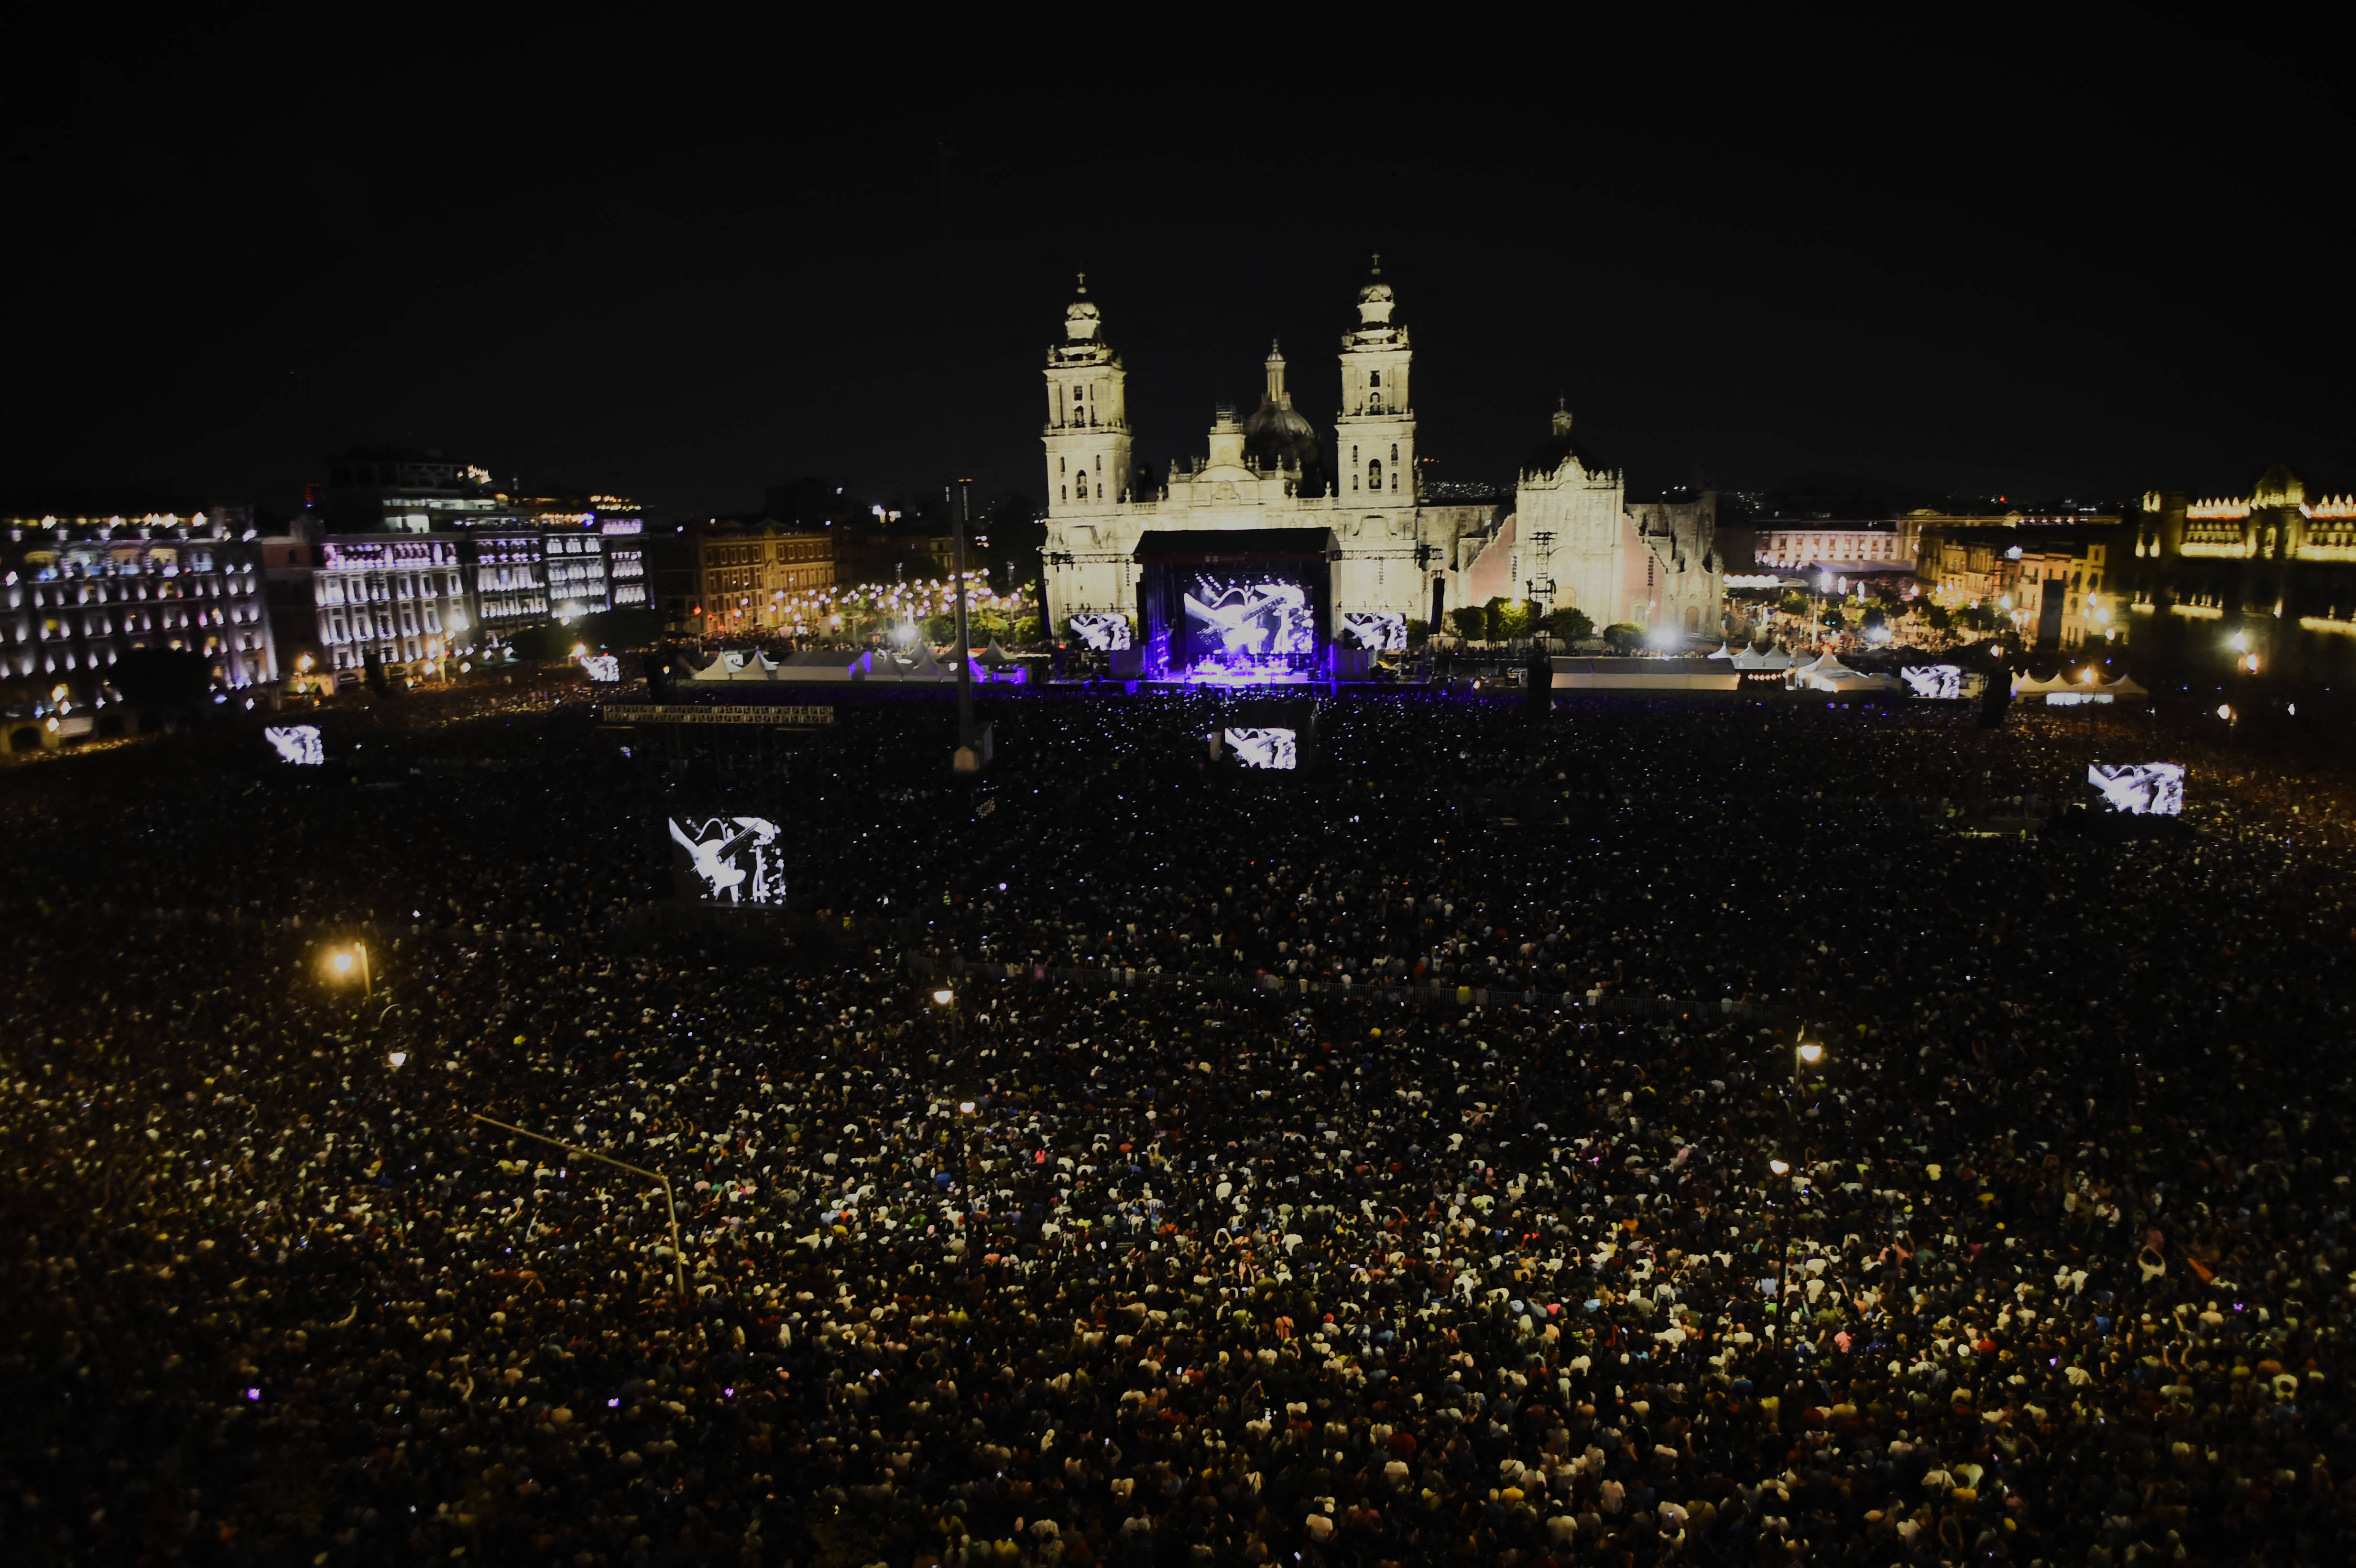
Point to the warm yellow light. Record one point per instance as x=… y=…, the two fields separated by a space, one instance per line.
x=343 y=963
x=1811 y=1053
x=1779 y=1168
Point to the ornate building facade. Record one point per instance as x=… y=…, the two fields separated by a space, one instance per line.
x=1577 y=541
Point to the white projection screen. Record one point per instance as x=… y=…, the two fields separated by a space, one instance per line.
x=1105 y=633
x=1940 y=682
x=1278 y=749
x=1384 y=631
x=2140 y=789
x=298 y=744
x=734 y=858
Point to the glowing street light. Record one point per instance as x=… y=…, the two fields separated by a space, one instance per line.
x=1779 y=1168
x=944 y=996
x=343 y=960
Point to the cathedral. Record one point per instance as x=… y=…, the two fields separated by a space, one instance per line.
x=1568 y=535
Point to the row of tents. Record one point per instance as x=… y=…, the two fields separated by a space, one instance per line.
x=915 y=665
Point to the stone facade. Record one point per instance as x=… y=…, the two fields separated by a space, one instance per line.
x=1653 y=565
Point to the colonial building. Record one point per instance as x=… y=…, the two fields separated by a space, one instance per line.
x=1397 y=551
x=76 y=593
x=2272 y=574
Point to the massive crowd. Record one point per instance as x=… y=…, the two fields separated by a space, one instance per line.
x=2044 y=1259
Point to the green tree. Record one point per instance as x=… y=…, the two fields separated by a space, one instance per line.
x=1471 y=621
x=1625 y=636
x=1935 y=613
x=1570 y=623
x=1508 y=618
x=1793 y=603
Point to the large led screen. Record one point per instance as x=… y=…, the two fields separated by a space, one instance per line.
x=1384 y=631
x=1105 y=633
x=2140 y=789
x=1942 y=682
x=735 y=857
x=1265 y=748
x=1227 y=617
x=298 y=744
x=605 y=668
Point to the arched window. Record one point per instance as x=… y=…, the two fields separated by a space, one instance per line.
x=1080 y=484
x=1374 y=475
x=1395 y=455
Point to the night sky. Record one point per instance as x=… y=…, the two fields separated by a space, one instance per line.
x=1993 y=257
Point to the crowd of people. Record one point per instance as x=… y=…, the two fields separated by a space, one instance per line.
x=1195 y=1221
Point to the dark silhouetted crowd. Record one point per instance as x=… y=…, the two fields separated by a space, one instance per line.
x=1202 y=1222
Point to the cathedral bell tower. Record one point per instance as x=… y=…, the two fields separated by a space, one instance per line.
x=1086 y=434
x=1374 y=434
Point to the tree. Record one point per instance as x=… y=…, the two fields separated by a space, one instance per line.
x=1832 y=620
x=1937 y=615
x=1792 y=603
x=1508 y=618
x=1625 y=636
x=1571 y=624
x=1471 y=621
x=1875 y=615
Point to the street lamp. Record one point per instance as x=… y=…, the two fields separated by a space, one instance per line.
x=343 y=961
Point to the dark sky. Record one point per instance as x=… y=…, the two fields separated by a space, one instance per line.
x=1978 y=253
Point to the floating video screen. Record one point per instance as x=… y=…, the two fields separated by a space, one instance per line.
x=1384 y=631
x=1278 y=749
x=604 y=668
x=736 y=860
x=2140 y=789
x=298 y=745
x=1235 y=618
x=1105 y=633
x=1940 y=682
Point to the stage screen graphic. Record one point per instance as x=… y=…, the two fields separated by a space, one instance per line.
x=1384 y=631
x=736 y=858
x=1105 y=633
x=1941 y=682
x=605 y=668
x=298 y=744
x=2140 y=789
x=1278 y=749
x=1236 y=618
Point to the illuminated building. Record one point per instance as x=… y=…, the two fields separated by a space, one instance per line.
x=77 y=592
x=742 y=575
x=2274 y=552
x=2057 y=586
x=1401 y=548
x=413 y=558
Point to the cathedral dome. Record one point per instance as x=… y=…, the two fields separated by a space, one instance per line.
x=1276 y=437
